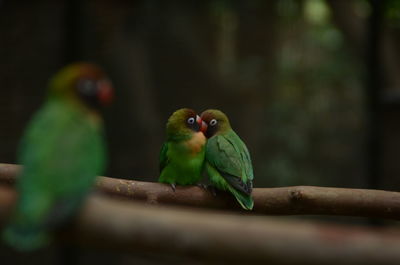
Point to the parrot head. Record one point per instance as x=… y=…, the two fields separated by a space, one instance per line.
x=184 y=122
x=84 y=83
x=216 y=122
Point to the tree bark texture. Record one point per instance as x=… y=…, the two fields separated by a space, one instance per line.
x=206 y=235
x=296 y=200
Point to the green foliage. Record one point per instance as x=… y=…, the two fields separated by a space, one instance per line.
x=315 y=115
x=316 y=11
x=393 y=13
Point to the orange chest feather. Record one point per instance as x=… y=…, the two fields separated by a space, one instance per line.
x=196 y=143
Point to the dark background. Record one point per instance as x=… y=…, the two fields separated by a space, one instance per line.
x=312 y=86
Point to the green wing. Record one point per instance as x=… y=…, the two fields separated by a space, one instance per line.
x=229 y=155
x=163 y=158
x=62 y=152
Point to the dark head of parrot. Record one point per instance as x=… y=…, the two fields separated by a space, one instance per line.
x=184 y=122
x=83 y=82
x=216 y=121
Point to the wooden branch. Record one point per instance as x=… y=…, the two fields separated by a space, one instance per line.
x=106 y=222
x=274 y=201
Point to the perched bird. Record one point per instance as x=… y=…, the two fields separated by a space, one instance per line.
x=62 y=152
x=227 y=160
x=182 y=155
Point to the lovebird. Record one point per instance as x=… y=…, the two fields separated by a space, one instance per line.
x=62 y=151
x=182 y=155
x=227 y=161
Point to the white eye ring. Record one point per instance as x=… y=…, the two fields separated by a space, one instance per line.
x=213 y=122
x=190 y=120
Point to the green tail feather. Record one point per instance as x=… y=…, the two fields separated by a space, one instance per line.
x=246 y=201
x=24 y=239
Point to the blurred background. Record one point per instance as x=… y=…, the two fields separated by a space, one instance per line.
x=312 y=86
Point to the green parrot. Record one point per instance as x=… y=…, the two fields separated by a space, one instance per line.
x=182 y=155
x=62 y=152
x=227 y=160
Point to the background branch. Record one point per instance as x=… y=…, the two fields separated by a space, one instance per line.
x=302 y=200
x=203 y=235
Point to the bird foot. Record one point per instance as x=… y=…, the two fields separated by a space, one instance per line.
x=201 y=185
x=173 y=186
x=212 y=189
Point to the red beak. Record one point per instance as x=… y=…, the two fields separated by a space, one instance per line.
x=106 y=92
x=203 y=127
x=202 y=124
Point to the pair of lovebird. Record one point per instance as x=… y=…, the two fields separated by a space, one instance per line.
x=206 y=143
x=63 y=151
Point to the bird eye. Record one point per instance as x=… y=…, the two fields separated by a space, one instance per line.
x=87 y=90
x=213 y=122
x=87 y=87
x=190 y=120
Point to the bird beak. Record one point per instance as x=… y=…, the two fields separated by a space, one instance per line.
x=203 y=127
x=198 y=120
x=202 y=124
x=106 y=92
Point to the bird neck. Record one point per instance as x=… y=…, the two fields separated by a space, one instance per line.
x=178 y=137
x=74 y=106
x=221 y=130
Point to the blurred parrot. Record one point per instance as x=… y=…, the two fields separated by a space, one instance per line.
x=227 y=160
x=182 y=155
x=62 y=152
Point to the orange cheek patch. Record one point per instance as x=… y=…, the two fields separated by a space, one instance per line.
x=196 y=143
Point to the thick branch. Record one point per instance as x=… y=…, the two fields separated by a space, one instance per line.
x=202 y=235
x=283 y=201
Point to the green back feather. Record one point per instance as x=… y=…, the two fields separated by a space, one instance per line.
x=230 y=167
x=163 y=158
